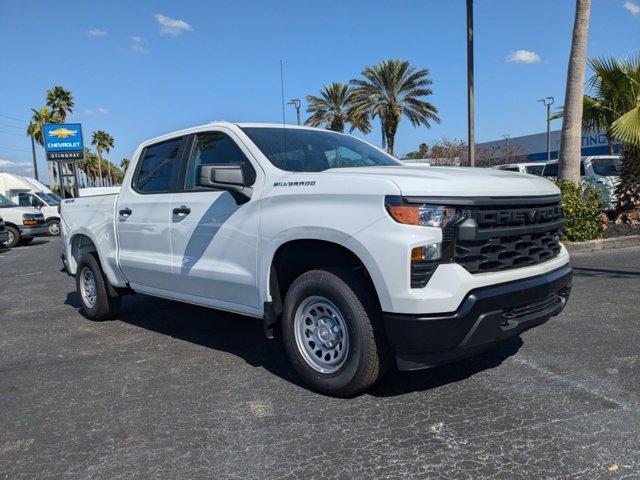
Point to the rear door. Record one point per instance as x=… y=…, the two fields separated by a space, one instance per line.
x=143 y=216
x=214 y=235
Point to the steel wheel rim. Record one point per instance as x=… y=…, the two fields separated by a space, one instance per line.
x=321 y=334
x=88 y=289
x=54 y=228
x=10 y=238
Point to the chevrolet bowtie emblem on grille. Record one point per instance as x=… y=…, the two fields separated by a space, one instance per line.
x=62 y=133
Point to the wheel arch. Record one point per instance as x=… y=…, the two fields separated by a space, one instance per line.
x=295 y=256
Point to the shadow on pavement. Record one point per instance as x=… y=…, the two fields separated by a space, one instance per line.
x=35 y=243
x=243 y=337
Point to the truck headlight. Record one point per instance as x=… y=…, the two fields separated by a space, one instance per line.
x=420 y=214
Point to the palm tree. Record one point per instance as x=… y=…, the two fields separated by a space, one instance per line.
x=570 y=140
x=60 y=101
x=103 y=142
x=39 y=118
x=124 y=164
x=331 y=109
x=34 y=130
x=615 y=108
x=389 y=91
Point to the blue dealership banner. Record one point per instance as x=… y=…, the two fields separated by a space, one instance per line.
x=63 y=141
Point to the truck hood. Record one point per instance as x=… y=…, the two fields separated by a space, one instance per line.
x=457 y=181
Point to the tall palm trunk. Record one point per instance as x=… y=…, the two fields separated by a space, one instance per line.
x=110 y=177
x=100 y=167
x=570 y=142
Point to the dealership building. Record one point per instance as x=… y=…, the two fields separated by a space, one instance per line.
x=534 y=147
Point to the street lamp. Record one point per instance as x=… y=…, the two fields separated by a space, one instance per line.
x=506 y=147
x=470 y=95
x=547 y=102
x=296 y=103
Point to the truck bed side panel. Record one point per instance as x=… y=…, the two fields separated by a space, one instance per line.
x=94 y=218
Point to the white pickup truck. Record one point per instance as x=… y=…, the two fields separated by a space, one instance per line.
x=355 y=260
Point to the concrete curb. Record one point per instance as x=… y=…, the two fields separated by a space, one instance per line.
x=603 y=244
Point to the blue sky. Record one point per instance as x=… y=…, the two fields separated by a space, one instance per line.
x=140 y=69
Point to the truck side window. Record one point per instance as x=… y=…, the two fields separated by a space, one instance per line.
x=159 y=166
x=216 y=148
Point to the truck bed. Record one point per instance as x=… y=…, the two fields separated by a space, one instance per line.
x=94 y=218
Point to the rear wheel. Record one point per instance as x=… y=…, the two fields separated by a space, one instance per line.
x=14 y=237
x=331 y=332
x=54 y=227
x=91 y=285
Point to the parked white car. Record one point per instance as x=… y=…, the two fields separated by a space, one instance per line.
x=28 y=192
x=21 y=224
x=352 y=258
x=603 y=170
x=533 y=168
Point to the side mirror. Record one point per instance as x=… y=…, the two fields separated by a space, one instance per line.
x=228 y=177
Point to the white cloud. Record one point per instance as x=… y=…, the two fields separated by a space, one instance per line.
x=634 y=8
x=8 y=164
x=96 y=32
x=97 y=111
x=172 y=26
x=138 y=44
x=523 y=56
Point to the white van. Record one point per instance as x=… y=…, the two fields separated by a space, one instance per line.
x=603 y=170
x=532 y=168
x=29 y=192
x=21 y=224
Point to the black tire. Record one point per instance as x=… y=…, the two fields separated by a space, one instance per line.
x=367 y=353
x=104 y=306
x=26 y=241
x=14 y=237
x=54 y=227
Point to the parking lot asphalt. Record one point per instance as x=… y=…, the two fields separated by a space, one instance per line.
x=169 y=390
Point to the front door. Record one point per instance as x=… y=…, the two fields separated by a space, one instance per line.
x=143 y=216
x=214 y=235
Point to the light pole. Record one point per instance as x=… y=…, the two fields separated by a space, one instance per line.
x=547 y=102
x=470 y=98
x=296 y=103
x=506 y=147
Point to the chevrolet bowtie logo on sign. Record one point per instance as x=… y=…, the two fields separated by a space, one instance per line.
x=63 y=141
x=62 y=133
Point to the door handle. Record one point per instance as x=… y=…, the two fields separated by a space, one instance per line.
x=182 y=210
x=125 y=212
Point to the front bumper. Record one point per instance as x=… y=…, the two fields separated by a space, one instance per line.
x=34 y=231
x=486 y=316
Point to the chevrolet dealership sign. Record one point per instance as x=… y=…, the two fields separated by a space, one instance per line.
x=63 y=141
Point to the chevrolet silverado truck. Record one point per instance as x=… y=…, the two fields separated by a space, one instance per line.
x=355 y=261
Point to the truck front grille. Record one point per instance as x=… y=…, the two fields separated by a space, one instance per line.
x=509 y=234
x=501 y=253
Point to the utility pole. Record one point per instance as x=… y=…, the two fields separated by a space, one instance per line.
x=547 y=102
x=296 y=103
x=506 y=147
x=35 y=161
x=470 y=99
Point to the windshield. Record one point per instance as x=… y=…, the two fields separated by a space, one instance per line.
x=299 y=150
x=534 y=169
x=605 y=167
x=5 y=202
x=49 y=198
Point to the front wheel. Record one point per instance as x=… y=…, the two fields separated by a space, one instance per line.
x=96 y=303
x=331 y=328
x=13 y=237
x=54 y=227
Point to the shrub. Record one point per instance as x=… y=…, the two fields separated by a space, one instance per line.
x=581 y=204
